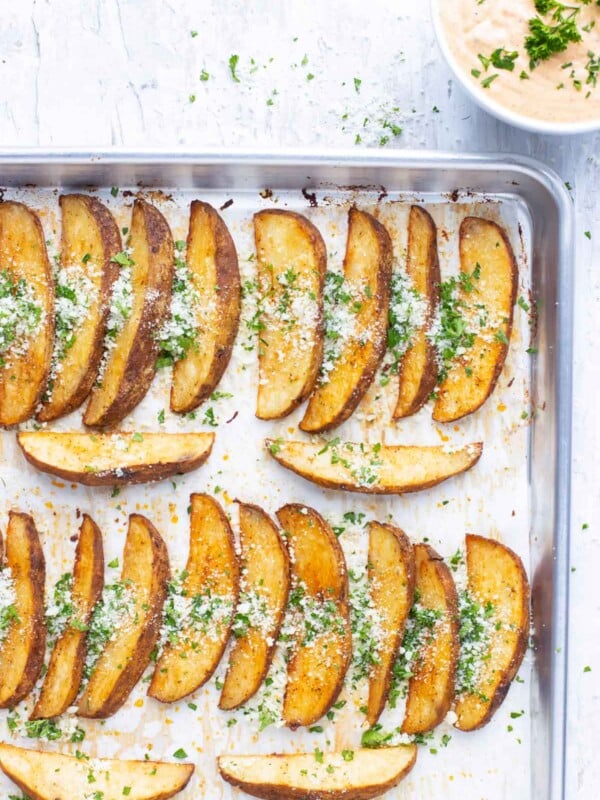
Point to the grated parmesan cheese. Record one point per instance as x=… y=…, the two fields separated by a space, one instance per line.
x=187 y=315
x=8 y=599
x=21 y=316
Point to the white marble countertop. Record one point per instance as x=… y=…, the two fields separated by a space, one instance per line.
x=98 y=73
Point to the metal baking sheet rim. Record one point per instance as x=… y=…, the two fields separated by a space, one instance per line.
x=548 y=201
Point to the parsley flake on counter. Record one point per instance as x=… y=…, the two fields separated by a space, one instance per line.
x=233 y=63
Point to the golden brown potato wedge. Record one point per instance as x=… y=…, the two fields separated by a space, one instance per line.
x=367 y=271
x=418 y=370
x=261 y=606
x=212 y=260
x=211 y=584
x=126 y=655
x=63 y=678
x=391 y=569
x=54 y=776
x=131 y=362
x=90 y=239
x=28 y=293
x=22 y=649
x=374 y=469
x=320 y=652
x=495 y=576
x=110 y=459
x=431 y=688
x=485 y=254
x=291 y=261
x=337 y=776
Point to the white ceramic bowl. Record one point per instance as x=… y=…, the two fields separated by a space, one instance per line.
x=488 y=103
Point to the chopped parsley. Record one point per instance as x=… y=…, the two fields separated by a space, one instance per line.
x=206 y=612
x=475 y=626
x=8 y=599
x=545 y=38
x=233 y=63
x=74 y=290
x=365 y=623
x=419 y=631
x=451 y=333
x=179 y=333
x=341 y=304
x=60 y=613
x=111 y=613
x=407 y=313
x=47 y=730
x=20 y=315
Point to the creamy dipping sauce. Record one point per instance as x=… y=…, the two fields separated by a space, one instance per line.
x=560 y=89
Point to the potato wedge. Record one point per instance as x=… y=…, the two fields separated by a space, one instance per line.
x=369 y=773
x=431 y=688
x=45 y=775
x=320 y=653
x=212 y=259
x=374 y=469
x=211 y=585
x=485 y=254
x=495 y=575
x=367 y=270
x=126 y=655
x=27 y=336
x=131 y=362
x=63 y=677
x=111 y=459
x=89 y=240
x=391 y=570
x=417 y=371
x=264 y=592
x=22 y=648
x=291 y=261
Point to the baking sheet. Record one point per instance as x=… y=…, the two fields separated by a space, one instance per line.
x=493 y=499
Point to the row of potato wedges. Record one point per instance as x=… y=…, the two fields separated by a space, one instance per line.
x=291 y=275
x=298 y=568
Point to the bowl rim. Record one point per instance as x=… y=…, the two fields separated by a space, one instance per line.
x=493 y=106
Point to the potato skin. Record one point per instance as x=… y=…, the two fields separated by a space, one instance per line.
x=46 y=775
x=111 y=243
x=431 y=688
x=426 y=278
x=186 y=397
x=496 y=554
x=140 y=365
x=110 y=702
x=391 y=571
x=71 y=647
x=25 y=557
x=382 y=776
x=263 y=554
x=266 y=408
x=146 y=471
x=22 y=386
x=451 y=406
x=291 y=456
x=321 y=413
x=186 y=664
x=318 y=563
